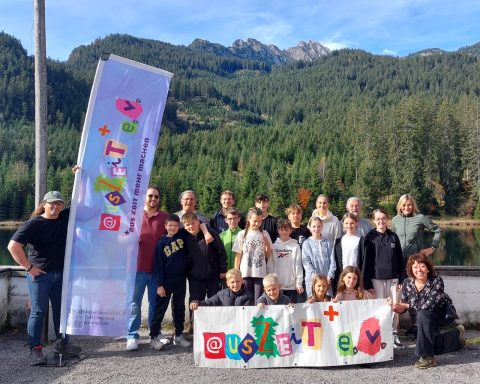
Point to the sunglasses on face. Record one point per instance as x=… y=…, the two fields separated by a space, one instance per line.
x=153 y=196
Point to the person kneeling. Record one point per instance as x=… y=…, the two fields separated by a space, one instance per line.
x=272 y=295
x=423 y=292
x=235 y=295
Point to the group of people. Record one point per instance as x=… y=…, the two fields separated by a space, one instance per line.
x=258 y=260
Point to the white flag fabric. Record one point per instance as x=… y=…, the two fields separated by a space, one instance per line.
x=116 y=154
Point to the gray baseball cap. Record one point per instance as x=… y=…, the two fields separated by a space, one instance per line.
x=52 y=196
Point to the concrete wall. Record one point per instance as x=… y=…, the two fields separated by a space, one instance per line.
x=461 y=283
x=463 y=286
x=14 y=297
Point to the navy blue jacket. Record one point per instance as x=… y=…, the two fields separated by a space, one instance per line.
x=227 y=298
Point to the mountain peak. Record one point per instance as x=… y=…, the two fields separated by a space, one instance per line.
x=255 y=50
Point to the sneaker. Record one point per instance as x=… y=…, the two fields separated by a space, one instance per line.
x=180 y=340
x=36 y=356
x=132 y=344
x=426 y=362
x=461 y=335
x=396 y=341
x=158 y=344
x=66 y=349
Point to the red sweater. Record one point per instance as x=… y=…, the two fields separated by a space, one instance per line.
x=153 y=228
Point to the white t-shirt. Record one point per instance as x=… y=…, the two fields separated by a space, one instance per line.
x=252 y=247
x=350 y=250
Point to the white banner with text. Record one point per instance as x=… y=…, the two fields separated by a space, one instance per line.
x=306 y=335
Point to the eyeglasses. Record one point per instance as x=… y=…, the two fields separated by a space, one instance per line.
x=153 y=196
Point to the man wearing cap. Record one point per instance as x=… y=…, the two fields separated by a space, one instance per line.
x=46 y=236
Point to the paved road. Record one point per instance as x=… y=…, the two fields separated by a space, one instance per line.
x=108 y=362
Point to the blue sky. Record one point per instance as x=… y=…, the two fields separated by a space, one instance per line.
x=393 y=27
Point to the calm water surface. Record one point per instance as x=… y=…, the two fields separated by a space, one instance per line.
x=459 y=247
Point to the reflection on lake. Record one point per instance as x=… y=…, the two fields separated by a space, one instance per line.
x=459 y=247
x=5 y=236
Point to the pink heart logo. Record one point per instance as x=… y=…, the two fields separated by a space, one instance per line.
x=132 y=109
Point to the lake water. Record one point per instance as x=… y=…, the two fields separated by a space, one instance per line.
x=460 y=247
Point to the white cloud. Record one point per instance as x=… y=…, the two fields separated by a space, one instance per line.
x=336 y=42
x=389 y=52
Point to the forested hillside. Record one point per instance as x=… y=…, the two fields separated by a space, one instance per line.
x=350 y=123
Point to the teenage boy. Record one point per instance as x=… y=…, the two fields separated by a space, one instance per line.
x=218 y=221
x=206 y=263
x=228 y=236
x=235 y=295
x=299 y=232
x=170 y=267
x=269 y=223
x=272 y=295
x=286 y=261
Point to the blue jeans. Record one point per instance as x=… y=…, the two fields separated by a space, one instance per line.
x=45 y=287
x=142 y=280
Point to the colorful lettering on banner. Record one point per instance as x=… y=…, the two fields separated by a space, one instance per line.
x=284 y=344
x=331 y=313
x=114 y=148
x=345 y=344
x=132 y=109
x=108 y=184
x=130 y=126
x=109 y=222
x=214 y=345
x=104 y=130
x=287 y=338
x=248 y=348
x=115 y=198
x=232 y=345
x=118 y=171
x=312 y=333
x=265 y=335
x=370 y=340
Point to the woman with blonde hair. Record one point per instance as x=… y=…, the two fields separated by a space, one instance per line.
x=409 y=225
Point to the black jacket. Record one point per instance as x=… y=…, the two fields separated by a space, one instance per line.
x=227 y=298
x=383 y=258
x=205 y=261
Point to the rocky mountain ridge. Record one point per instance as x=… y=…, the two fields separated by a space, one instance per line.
x=255 y=50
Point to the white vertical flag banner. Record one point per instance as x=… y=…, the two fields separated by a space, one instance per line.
x=307 y=335
x=116 y=154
